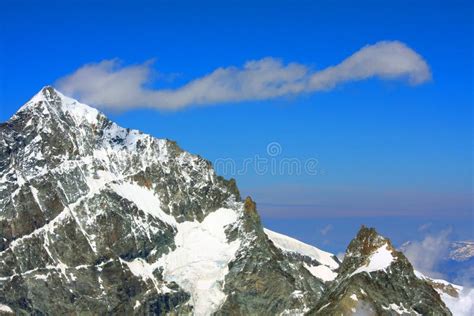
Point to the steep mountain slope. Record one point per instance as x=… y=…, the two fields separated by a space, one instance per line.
x=459 y=299
x=98 y=219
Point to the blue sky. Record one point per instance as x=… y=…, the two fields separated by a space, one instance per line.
x=388 y=153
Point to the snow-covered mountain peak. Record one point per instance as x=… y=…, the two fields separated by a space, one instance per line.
x=96 y=217
x=370 y=253
x=462 y=250
x=87 y=206
x=49 y=101
x=47 y=93
x=371 y=266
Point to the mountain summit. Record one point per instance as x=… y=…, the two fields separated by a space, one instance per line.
x=377 y=279
x=99 y=219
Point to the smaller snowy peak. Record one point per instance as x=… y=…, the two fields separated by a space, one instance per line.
x=369 y=252
x=366 y=243
x=376 y=279
x=461 y=250
x=49 y=99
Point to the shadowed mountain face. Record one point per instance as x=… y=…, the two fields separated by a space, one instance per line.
x=98 y=219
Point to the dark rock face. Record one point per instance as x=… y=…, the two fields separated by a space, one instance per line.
x=262 y=279
x=98 y=219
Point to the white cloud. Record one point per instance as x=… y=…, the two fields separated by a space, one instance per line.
x=424 y=227
x=108 y=84
x=326 y=229
x=462 y=305
x=425 y=255
x=385 y=60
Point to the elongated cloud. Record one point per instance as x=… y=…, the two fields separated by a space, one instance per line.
x=108 y=84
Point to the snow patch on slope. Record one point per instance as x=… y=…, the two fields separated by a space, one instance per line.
x=420 y=275
x=142 y=269
x=144 y=199
x=289 y=244
x=6 y=309
x=126 y=139
x=79 y=111
x=200 y=261
x=321 y=272
x=381 y=259
x=400 y=309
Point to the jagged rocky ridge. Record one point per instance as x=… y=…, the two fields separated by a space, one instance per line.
x=98 y=219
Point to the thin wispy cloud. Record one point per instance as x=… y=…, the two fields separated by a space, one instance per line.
x=109 y=84
x=326 y=229
x=424 y=227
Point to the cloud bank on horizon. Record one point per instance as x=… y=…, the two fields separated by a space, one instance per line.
x=110 y=85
